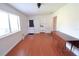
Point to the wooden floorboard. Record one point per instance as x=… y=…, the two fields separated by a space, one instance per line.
x=38 y=45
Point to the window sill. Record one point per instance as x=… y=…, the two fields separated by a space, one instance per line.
x=6 y=35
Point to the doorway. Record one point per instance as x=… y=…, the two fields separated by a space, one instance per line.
x=31 y=30
x=54 y=23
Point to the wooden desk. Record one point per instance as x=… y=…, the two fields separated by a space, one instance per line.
x=68 y=38
x=74 y=43
x=66 y=41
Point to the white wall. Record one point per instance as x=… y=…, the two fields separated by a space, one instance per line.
x=45 y=20
x=68 y=21
x=7 y=43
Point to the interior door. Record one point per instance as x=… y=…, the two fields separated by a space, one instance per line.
x=54 y=23
x=42 y=25
x=31 y=26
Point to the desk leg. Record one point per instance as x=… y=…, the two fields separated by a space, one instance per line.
x=71 y=47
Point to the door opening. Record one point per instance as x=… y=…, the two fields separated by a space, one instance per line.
x=54 y=23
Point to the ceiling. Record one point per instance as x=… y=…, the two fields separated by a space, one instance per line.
x=32 y=9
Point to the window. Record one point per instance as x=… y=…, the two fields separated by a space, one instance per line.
x=4 y=24
x=9 y=23
x=14 y=22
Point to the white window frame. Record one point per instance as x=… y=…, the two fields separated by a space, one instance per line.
x=10 y=33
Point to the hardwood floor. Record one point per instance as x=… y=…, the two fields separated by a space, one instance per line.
x=38 y=45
